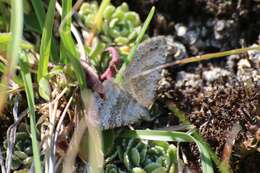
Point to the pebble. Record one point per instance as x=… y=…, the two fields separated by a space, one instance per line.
x=188 y=79
x=214 y=74
x=243 y=63
x=181 y=30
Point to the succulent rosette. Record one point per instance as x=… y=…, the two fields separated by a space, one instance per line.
x=120 y=28
x=139 y=156
x=22 y=151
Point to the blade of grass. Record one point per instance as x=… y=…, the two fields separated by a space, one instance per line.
x=45 y=51
x=46 y=42
x=99 y=17
x=95 y=155
x=13 y=48
x=206 y=162
x=39 y=11
x=98 y=21
x=70 y=50
x=119 y=77
x=68 y=46
x=157 y=135
x=40 y=15
x=26 y=75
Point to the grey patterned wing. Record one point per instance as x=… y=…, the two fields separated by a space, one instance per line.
x=119 y=108
x=150 y=54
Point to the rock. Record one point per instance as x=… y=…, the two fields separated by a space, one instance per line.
x=242 y=64
x=214 y=74
x=188 y=79
x=175 y=49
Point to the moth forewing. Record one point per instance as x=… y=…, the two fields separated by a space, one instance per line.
x=150 y=54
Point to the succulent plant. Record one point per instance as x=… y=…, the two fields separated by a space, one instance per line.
x=140 y=156
x=88 y=12
x=22 y=152
x=120 y=26
x=120 y=29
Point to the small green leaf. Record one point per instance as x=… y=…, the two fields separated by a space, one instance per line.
x=109 y=12
x=133 y=17
x=138 y=170
x=152 y=166
x=135 y=156
x=159 y=170
x=108 y=141
x=118 y=14
x=45 y=47
x=121 y=40
x=123 y=7
x=44 y=88
x=126 y=161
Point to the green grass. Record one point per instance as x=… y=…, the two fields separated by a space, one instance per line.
x=45 y=48
x=40 y=15
x=99 y=17
x=119 y=76
x=26 y=75
x=13 y=47
x=39 y=11
x=68 y=47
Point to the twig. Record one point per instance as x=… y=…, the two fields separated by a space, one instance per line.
x=230 y=140
x=58 y=127
x=69 y=159
x=57 y=98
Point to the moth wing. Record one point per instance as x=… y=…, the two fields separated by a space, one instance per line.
x=119 y=108
x=150 y=54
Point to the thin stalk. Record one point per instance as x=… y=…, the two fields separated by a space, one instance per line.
x=26 y=75
x=119 y=77
x=13 y=47
x=197 y=59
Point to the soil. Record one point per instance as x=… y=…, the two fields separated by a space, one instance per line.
x=215 y=94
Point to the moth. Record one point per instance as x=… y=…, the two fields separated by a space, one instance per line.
x=129 y=103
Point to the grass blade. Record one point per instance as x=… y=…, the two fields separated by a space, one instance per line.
x=68 y=47
x=46 y=42
x=98 y=22
x=119 y=77
x=13 y=48
x=45 y=50
x=40 y=15
x=30 y=100
x=99 y=17
x=158 y=135
x=39 y=11
x=206 y=162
